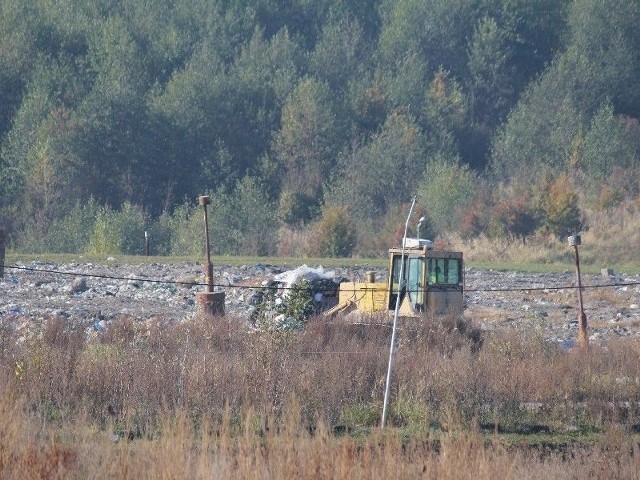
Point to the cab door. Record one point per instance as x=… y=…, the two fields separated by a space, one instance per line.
x=444 y=285
x=411 y=288
x=416 y=282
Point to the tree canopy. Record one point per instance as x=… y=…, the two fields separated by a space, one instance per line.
x=312 y=108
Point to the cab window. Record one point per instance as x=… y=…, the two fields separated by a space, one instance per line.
x=444 y=271
x=414 y=280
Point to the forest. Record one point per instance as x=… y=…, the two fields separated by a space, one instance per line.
x=312 y=124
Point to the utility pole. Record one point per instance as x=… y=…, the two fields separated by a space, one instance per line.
x=204 y=201
x=583 y=336
x=2 y=251
x=210 y=303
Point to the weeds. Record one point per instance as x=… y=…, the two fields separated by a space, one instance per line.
x=203 y=397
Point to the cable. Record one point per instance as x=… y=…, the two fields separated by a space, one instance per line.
x=260 y=287
x=564 y=287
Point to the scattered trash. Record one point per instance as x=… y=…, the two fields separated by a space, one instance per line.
x=79 y=285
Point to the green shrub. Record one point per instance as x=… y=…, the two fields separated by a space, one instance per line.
x=65 y=234
x=295 y=208
x=335 y=233
x=285 y=313
x=445 y=191
x=244 y=221
x=562 y=216
x=185 y=227
x=118 y=232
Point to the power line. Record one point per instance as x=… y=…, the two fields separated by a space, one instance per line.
x=563 y=287
x=269 y=287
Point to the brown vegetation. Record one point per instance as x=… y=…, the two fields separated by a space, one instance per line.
x=207 y=399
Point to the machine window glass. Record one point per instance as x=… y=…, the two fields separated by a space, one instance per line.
x=395 y=274
x=414 y=283
x=431 y=271
x=443 y=271
x=453 y=271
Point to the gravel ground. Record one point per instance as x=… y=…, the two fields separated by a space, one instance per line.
x=95 y=294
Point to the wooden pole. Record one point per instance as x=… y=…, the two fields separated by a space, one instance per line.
x=583 y=336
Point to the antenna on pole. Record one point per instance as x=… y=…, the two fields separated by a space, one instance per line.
x=395 y=319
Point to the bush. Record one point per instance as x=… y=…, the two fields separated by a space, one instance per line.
x=67 y=234
x=562 y=216
x=118 y=232
x=513 y=218
x=285 y=313
x=185 y=228
x=445 y=191
x=295 y=208
x=243 y=222
x=335 y=233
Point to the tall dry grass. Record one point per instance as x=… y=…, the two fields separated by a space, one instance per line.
x=206 y=399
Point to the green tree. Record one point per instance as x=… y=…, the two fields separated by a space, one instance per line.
x=117 y=232
x=244 y=221
x=42 y=170
x=335 y=233
x=384 y=172
x=340 y=54
x=445 y=192
x=598 y=63
x=605 y=49
x=403 y=82
x=559 y=205
x=609 y=144
x=491 y=87
x=437 y=31
x=445 y=112
x=308 y=140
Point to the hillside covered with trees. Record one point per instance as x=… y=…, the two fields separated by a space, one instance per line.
x=312 y=124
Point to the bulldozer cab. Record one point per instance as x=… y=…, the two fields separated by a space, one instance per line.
x=432 y=279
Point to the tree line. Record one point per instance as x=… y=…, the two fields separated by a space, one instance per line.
x=312 y=124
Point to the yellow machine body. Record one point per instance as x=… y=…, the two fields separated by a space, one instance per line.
x=432 y=281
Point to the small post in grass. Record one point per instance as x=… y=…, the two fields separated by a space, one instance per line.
x=583 y=337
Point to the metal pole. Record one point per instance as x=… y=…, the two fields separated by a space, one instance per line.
x=395 y=319
x=583 y=336
x=146 y=243
x=204 y=201
x=2 y=252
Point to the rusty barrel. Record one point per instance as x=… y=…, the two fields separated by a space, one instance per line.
x=210 y=303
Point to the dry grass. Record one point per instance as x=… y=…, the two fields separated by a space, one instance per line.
x=205 y=399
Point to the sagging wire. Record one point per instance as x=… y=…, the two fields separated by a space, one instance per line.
x=260 y=287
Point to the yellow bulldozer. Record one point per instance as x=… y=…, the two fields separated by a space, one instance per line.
x=420 y=278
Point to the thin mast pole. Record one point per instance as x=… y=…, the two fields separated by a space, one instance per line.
x=395 y=318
